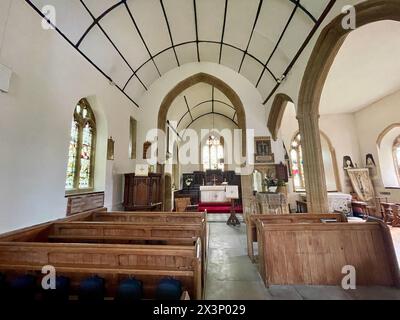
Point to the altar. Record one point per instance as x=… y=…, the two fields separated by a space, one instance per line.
x=216 y=194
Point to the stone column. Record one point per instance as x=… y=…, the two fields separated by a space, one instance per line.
x=314 y=173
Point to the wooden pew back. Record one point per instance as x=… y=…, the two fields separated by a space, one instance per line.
x=116 y=232
x=146 y=217
x=281 y=219
x=113 y=262
x=314 y=254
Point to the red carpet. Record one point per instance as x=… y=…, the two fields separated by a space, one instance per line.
x=218 y=207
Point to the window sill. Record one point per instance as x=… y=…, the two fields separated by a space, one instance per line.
x=392 y=188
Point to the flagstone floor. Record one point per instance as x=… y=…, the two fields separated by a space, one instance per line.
x=232 y=276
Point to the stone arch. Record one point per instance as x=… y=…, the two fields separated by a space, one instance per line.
x=211 y=80
x=322 y=57
x=182 y=86
x=276 y=114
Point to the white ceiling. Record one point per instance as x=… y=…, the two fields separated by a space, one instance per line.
x=366 y=69
x=198 y=101
x=134 y=42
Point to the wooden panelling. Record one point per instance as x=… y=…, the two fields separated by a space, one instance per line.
x=314 y=254
x=114 y=232
x=140 y=217
x=284 y=218
x=142 y=193
x=38 y=231
x=113 y=262
x=84 y=202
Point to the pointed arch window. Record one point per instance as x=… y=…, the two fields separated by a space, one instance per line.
x=213 y=154
x=80 y=169
x=296 y=158
x=396 y=157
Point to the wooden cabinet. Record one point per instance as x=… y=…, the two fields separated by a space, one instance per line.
x=142 y=193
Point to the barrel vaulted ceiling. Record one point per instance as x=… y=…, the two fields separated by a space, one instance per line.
x=134 y=42
x=199 y=101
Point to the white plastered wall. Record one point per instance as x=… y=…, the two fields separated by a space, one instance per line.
x=49 y=77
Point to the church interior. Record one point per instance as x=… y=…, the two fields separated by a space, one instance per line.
x=199 y=150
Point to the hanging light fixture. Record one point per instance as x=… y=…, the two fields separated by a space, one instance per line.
x=213 y=140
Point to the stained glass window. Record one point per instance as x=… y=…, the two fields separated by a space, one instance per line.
x=81 y=149
x=296 y=158
x=213 y=154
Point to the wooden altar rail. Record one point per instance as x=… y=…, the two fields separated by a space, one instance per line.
x=112 y=262
x=314 y=254
x=251 y=220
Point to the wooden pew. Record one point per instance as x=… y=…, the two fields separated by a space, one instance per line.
x=162 y=218
x=251 y=220
x=40 y=231
x=112 y=262
x=124 y=233
x=314 y=254
x=146 y=217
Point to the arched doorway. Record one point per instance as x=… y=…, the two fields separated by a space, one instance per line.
x=327 y=47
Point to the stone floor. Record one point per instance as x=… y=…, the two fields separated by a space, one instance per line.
x=232 y=276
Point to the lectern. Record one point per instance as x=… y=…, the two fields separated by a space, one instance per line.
x=232 y=193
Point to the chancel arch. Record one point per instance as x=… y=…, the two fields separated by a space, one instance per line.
x=239 y=116
x=220 y=106
x=324 y=53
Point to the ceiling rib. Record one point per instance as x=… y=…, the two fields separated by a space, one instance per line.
x=305 y=10
x=197 y=29
x=223 y=33
x=305 y=44
x=96 y=22
x=141 y=36
x=80 y=51
x=169 y=32
x=279 y=41
x=251 y=34
x=212 y=42
x=113 y=44
x=188 y=108
x=210 y=113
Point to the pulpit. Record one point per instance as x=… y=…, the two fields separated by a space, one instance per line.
x=142 y=193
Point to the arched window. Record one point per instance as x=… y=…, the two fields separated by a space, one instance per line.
x=329 y=159
x=213 y=154
x=80 y=170
x=296 y=157
x=396 y=157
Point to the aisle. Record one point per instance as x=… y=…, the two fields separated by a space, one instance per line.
x=231 y=275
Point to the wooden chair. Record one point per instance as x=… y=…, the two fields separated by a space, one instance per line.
x=388 y=210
